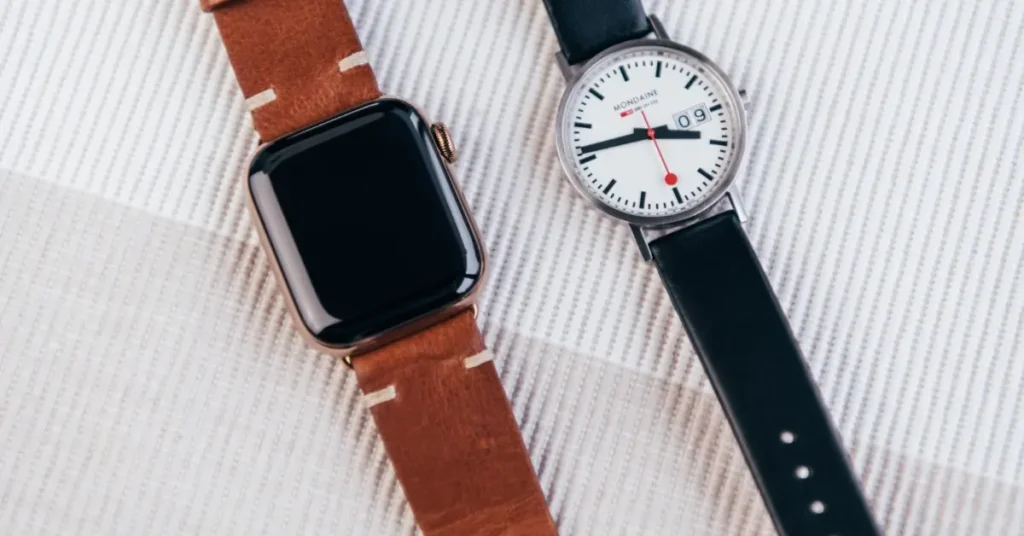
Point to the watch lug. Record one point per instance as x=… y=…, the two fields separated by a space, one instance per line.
x=641 y=242
x=737 y=203
x=729 y=202
x=659 y=29
x=569 y=72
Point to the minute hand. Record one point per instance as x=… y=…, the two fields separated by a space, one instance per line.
x=640 y=134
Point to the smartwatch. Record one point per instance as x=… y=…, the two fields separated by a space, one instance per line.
x=651 y=132
x=380 y=260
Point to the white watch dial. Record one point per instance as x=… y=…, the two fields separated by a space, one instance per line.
x=651 y=132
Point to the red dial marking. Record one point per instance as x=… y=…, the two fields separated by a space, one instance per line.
x=670 y=178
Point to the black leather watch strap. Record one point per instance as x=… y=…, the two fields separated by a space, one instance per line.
x=748 y=351
x=586 y=27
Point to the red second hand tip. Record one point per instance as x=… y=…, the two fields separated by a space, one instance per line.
x=670 y=178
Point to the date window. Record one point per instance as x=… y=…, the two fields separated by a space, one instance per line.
x=691 y=117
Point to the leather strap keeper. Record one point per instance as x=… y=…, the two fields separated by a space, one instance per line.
x=451 y=435
x=297 y=62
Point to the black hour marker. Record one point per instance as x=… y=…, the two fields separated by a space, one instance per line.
x=586 y=159
x=588 y=125
x=596 y=94
x=705 y=173
x=625 y=77
x=692 y=80
x=657 y=72
x=643 y=197
x=715 y=108
x=679 y=198
x=723 y=143
x=609 y=187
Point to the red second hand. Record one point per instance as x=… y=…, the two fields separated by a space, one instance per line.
x=670 y=178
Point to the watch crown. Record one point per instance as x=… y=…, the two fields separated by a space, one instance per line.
x=443 y=137
x=745 y=99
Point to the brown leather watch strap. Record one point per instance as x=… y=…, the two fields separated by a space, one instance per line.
x=435 y=395
x=297 y=62
x=450 y=433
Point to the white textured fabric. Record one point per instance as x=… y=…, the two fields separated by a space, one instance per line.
x=151 y=382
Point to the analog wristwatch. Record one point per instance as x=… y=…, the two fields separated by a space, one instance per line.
x=652 y=132
x=379 y=260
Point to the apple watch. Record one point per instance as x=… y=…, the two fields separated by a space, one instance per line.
x=651 y=132
x=380 y=261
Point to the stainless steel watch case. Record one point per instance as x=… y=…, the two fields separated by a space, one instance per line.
x=724 y=197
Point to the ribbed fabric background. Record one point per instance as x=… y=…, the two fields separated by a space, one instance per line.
x=151 y=382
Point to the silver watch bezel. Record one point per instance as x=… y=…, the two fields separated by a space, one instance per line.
x=563 y=134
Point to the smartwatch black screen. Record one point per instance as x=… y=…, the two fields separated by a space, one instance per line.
x=365 y=222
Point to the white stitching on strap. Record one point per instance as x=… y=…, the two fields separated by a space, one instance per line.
x=261 y=99
x=353 y=61
x=478 y=359
x=380 y=397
